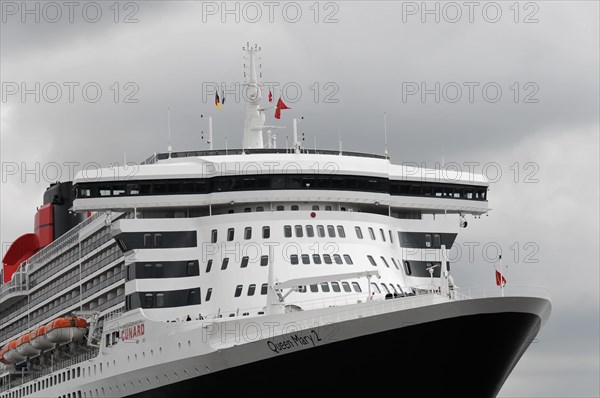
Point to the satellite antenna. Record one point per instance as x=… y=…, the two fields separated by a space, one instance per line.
x=169 y=147
x=385 y=152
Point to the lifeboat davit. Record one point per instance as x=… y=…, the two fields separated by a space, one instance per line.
x=65 y=330
x=39 y=340
x=12 y=355
x=24 y=346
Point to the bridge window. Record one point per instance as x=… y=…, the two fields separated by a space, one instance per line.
x=407 y=268
x=338 y=259
x=316 y=259
x=238 y=290
x=225 y=263
x=287 y=231
x=310 y=232
x=314 y=288
x=331 y=231
x=298 y=229
x=346 y=287
x=230 y=234
x=341 y=232
x=427 y=240
x=437 y=240
x=208 y=293
x=264 y=261
x=263 y=289
x=266 y=232
x=348 y=259
x=245 y=260
x=325 y=287
x=335 y=287
x=294 y=259
x=321 y=231
x=305 y=259
x=326 y=258
x=251 y=289
x=213 y=236
x=209 y=265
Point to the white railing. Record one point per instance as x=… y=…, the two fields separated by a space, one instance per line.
x=476 y=292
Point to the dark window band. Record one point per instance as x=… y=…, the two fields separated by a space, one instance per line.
x=426 y=240
x=168 y=299
x=419 y=268
x=156 y=240
x=280 y=181
x=163 y=269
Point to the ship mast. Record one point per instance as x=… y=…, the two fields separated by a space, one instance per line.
x=254 y=121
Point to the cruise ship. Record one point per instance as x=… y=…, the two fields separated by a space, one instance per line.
x=288 y=271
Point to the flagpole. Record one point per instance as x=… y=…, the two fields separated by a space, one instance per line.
x=501 y=276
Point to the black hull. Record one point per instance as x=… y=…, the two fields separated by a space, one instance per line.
x=466 y=356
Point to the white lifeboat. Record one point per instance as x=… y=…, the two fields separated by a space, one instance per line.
x=65 y=330
x=11 y=355
x=39 y=340
x=24 y=346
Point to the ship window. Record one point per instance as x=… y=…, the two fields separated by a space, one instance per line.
x=266 y=232
x=104 y=191
x=393 y=288
x=238 y=290
x=407 y=268
x=263 y=289
x=314 y=288
x=264 y=261
x=326 y=258
x=437 y=241
x=338 y=259
x=213 y=236
x=251 y=289
x=209 y=265
x=245 y=260
x=305 y=259
x=225 y=263
x=280 y=208
x=375 y=287
x=371 y=233
x=260 y=208
x=372 y=261
x=385 y=261
x=385 y=288
x=348 y=259
x=287 y=231
x=321 y=231
x=346 y=287
x=247 y=210
x=427 y=240
x=331 y=231
x=230 y=234
x=391 y=236
x=335 y=287
x=315 y=207
x=160 y=299
x=341 y=231
x=294 y=259
x=158 y=270
x=395 y=263
x=148 y=300
x=327 y=208
x=310 y=231
x=208 y=293
x=248 y=233
x=382 y=234
x=358 y=231
x=193 y=298
x=325 y=287
x=148 y=271
x=316 y=259
x=294 y=207
x=147 y=240
x=298 y=229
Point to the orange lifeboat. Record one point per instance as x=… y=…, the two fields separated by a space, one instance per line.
x=2 y=353
x=65 y=330
x=11 y=355
x=39 y=340
x=24 y=346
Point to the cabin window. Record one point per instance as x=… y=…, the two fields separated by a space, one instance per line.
x=327 y=208
x=310 y=232
x=358 y=231
x=331 y=231
x=225 y=263
x=287 y=231
x=238 y=290
x=248 y=233
x=298 y=229
x=213 y=236
x=393 y=288
x=348 y=259
x=321 y=231
x=315 y=207
x=266 y=232
x=382 y=234
x=305 y=259
x=251 y=289
x=395 y=263
x=375 y=287
x=263 y=289
x=385 y=261
x=335 y=287
x=341 y=232
x=148 y=300
x=280 y=208
x=325 y=287
x=385 y=288
x=264 y=261
x=314 y=288
x=208 y=293
x=316 y=259
x=391 y=236
x=346 y=287
x=294 y=259
x=338 y=259
x=294 y=207
x=209 y=265
x=326 y=258
x=230 y=234
x=245 y=260
x=372 y=261
x=407 y=268
x=371 y=233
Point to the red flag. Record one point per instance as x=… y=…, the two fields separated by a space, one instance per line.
x=270 y=96
x=280 y=105
x=500 y=280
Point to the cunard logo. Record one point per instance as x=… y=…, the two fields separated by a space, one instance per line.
x=132 y=331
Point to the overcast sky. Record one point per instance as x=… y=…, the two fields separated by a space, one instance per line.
x=507 y=90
